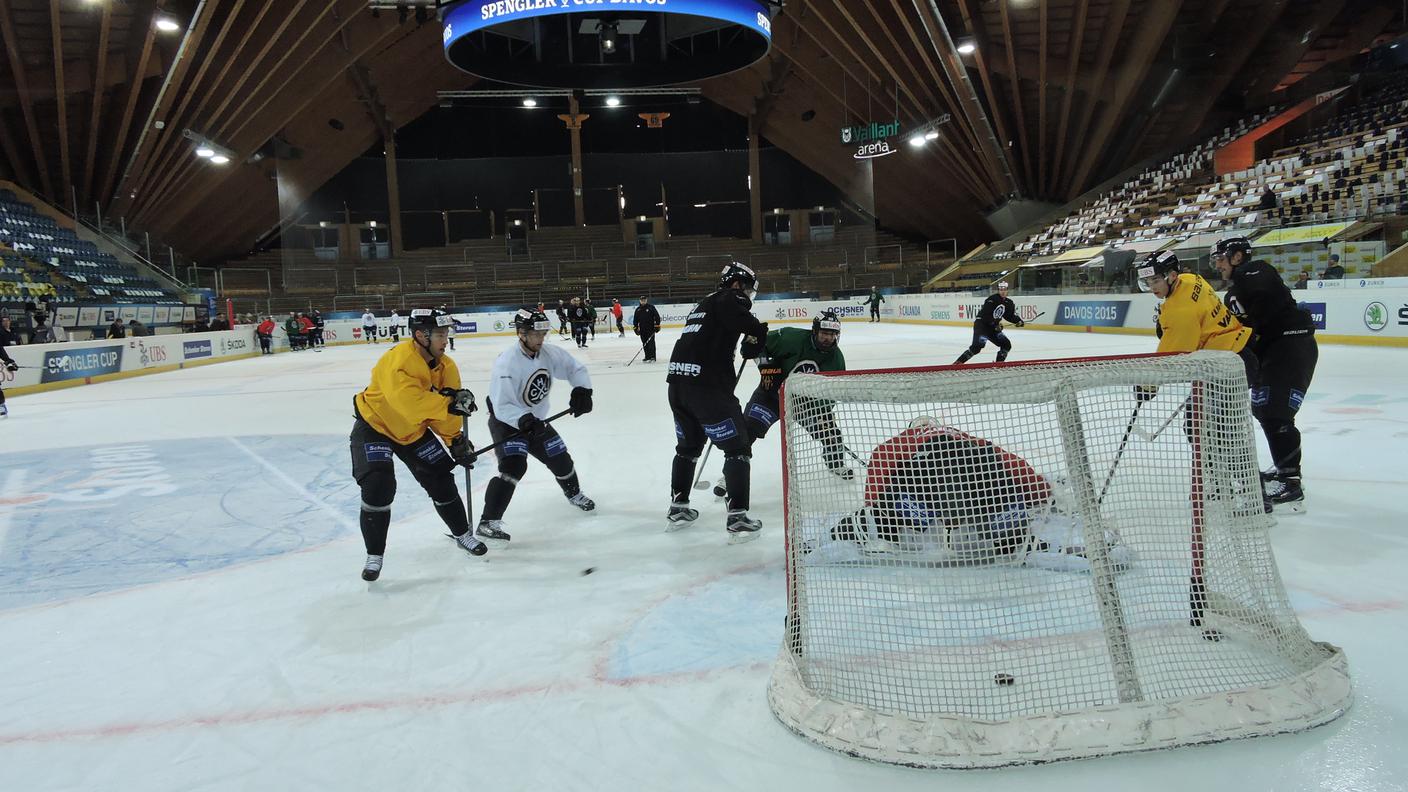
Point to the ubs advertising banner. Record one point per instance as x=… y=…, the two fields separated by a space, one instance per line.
x=69 y=364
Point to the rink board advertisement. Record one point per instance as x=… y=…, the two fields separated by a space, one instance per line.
x=82 y=362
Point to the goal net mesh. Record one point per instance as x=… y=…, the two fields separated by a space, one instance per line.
x=1008 y=564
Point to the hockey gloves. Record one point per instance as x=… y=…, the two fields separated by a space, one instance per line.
x=12 y=366
x=530 y=425
x=580 y=403
x=754 y=346
x=462 y=451
x=1143 y=393
x=461 y=401
x=1019 y=322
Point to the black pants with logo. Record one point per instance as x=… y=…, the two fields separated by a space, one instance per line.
x=547 y=446
x=375 y=473
x=1287 y=366
x=703 y=415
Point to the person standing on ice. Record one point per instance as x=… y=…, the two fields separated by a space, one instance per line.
x=520 y=383
x=413 y=404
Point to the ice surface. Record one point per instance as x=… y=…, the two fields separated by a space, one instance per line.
x=181 y=607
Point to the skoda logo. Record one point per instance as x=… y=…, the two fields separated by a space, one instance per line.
x=1375 y=316
x=537 y=387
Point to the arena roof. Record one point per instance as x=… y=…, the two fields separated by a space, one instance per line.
x=1045 y=97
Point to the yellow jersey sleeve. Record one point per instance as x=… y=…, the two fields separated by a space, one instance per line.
x=1193 y=318
x=402 y=401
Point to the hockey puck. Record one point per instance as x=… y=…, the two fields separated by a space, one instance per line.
x=1004 y=679
x=1212 y=635
x=588 y=571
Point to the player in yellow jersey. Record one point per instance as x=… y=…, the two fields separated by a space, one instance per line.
x=414 y=402
x=1193 y=316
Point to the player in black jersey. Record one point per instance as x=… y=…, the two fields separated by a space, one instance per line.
x=702 y=379
x=988 y=326
x=1286 y=350
x=580 y=318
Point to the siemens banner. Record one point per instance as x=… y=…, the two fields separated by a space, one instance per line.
x=474 y=15
x=1092 y=313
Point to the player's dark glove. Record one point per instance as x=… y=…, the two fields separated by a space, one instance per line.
x=635 y=329
x=754 y=345
x=462 y=451
x=580 y=402
x=1143 y=393
x=12 y=366
x=1019 y=323
x=461 y=401
x=531 y=426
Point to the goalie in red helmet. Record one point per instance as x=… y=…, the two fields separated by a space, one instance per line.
x=934 y=486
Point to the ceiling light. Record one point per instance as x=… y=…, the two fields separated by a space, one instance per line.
x=916 y=141
x=530 y=102
x=613 y=101
x=167 y=25
x=204 y=152
x=220 y=159
x=700 y=206
x=371 y=224
x=967 y=47
x=932 y=134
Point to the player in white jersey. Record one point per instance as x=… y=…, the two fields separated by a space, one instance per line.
x=519 y=384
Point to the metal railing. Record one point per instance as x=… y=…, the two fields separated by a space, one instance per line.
x=707 y=263
x=364 y=277
x=871 y=254
x=257 y=275
x=294 y=278
x=930 y=246
x=448 y=274
x=350 y=302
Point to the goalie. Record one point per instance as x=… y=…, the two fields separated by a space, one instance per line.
x=940 y=490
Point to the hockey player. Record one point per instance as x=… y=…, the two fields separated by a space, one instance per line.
x=1191 y=316
x=787 y=351
x=294 y=330
x=520 y=382
x=561 y=318
x=1286 y=350
x=702 y=401
x=394 y=326
x=591 y=311
x=414 y=402
x=265 y=333
x=937 y=487
x=997 y=308
x=619 y=316
x=369 y=326
x=646 y=324
x=581 y=319
x=446 y=310
x=874 y=301
x=10 y=366
x=315 y=336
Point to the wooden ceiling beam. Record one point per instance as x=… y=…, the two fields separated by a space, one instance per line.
x=1237 y=49
x=129 y=107
x=322 y=68
x=78 y=75
x=95 y=121
x=1072 y=62
x=1043 y=180
x=173 y=149
x=974 y=24
x=1114 y=25
x=19 y=168
x=1016 y=96
x=60 y=96
x=1154 y=25
x=17 y=70
x=124 y=202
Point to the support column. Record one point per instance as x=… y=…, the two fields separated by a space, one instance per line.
x=393 y=194
x=574 y=121
x=755 y=180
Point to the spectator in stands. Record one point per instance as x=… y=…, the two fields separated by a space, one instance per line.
x=117 y=329
x=1268 y=199
x=265 y=333
x=1303 y=282
x=1334 y=271
x=202 y=325
x=369 y=325
x=136 y=329
x=219 y=323
x=8 y=337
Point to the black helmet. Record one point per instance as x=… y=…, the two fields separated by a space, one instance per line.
x=1226 y=247
x=428 y=319
x=1157 y=265
x=531 y=319
x=825 y=320
x=742 y=273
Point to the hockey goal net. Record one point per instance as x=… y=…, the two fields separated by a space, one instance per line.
x=1023 y=566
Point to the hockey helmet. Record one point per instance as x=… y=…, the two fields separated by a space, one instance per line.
x=826 y=320
x=1226 y=247
x=531 y=320
x=1157 y=265
x=741 y=273
x=428 y=320
x=1003 y=286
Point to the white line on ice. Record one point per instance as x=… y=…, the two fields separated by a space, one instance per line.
x=14 y=487
x=295 y=486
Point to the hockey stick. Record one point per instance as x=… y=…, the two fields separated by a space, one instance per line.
x=636 y=355
x=516 y=433
x=699 y=473
x=468 y=485
x=1155 y=435
x=1120 y=453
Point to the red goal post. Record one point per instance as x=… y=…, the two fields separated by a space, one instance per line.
x=1030 y=564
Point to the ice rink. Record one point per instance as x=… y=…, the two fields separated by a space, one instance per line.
x=181 y=606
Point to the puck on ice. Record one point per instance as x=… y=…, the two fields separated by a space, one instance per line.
x=1004 y=679
x=588 y=571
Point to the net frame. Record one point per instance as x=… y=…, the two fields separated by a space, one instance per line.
x=1305 y=683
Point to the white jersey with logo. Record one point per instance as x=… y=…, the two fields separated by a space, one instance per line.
x=519 y=384
x=368 y=319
